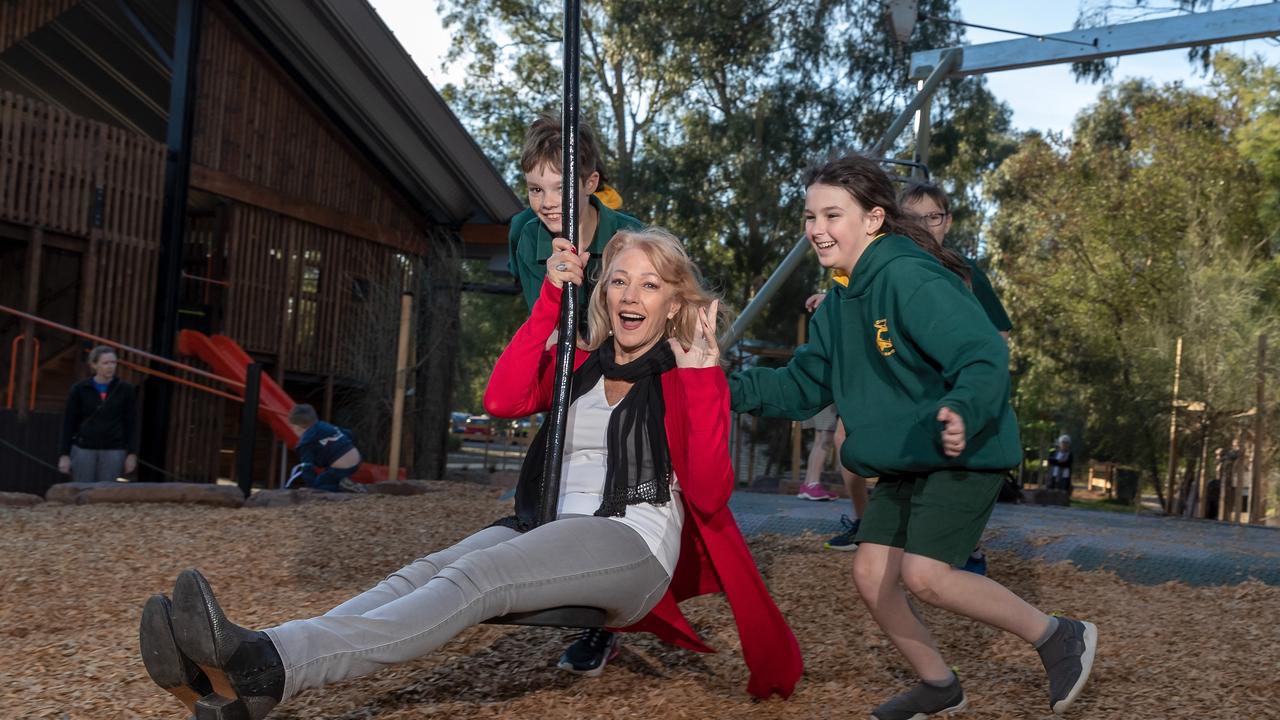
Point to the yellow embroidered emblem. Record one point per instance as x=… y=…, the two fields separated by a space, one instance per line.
x=882 y=338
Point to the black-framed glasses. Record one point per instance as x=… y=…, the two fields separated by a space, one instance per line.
x=932 y=219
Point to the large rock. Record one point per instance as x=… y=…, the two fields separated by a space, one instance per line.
x=136 y=492
x=288 y=498
x=17 y=499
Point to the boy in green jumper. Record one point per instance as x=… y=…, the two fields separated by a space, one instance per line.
x=532 y=229
x=921 y=375
x=529 y=246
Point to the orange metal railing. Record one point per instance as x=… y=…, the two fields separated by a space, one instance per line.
x=13 y=371
x=35 y=369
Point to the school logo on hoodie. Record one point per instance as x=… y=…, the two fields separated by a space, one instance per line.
x=883 y=342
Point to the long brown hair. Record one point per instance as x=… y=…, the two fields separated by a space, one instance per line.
x=870 y=186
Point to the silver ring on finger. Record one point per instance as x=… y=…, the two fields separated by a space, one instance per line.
x=561 y=267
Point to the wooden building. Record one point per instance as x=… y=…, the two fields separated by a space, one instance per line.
x=277 y=171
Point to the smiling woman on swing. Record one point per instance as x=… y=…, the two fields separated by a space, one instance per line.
x=642 y=520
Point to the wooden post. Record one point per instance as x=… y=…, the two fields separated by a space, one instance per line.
x=737 y=448
x=30 y=305
x=795 y=453
x=796 y=442
x=397 y=408
x=1257 y=496
x=1170 y=506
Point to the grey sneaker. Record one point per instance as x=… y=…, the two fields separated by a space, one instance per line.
x=922 y=701
x=1068 y=658
x=346 y=484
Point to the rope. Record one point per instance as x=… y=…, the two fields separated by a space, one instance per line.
x=27 y=455
x=45 y=463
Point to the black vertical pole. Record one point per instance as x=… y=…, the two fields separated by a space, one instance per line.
x=177 y=172
x=559 y=414
x=248 y=428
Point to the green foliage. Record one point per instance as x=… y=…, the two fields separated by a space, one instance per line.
x=1151 y=223
x=710 y=111
x=488 y=322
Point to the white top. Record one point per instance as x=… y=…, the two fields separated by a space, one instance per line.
x=582 y=477
x=1057 y=471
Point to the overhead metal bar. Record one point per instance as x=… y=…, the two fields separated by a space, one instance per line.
x=948 y=60
x=1206 y=28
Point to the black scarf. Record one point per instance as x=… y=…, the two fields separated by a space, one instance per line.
x=638 y=469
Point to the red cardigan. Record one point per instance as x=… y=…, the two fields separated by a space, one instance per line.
x=713 y=555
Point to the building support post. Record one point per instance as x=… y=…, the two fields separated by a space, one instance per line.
x=158 y=397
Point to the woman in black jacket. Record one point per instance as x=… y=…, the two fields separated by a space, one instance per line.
x=99 y=428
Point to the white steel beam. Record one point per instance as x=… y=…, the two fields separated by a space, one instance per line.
x=1206 y=28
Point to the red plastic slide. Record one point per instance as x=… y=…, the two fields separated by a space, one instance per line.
x=230 y=360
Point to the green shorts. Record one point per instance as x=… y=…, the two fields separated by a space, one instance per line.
x=940 y=515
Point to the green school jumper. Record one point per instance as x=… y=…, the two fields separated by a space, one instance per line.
x=904 y=339
x=529 y=246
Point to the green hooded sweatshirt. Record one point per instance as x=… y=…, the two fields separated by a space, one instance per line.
x=903 y=340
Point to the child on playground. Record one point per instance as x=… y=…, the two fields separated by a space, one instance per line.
x=529 y=245
x=913 y=364
x=532 y=229
x=928 y=205
x=327 y=455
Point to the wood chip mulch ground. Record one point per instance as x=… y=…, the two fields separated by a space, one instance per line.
x=73 y=580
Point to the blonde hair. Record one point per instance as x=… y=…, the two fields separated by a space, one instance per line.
x=675 y=267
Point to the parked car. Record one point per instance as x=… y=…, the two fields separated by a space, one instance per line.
x=458 y=422
x=479 y=425
x=527 y=426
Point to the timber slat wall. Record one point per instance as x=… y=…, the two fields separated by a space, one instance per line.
x=20 y=18
x=309 y=274
x=255 y=124
x=53 y=165
x=197 y=427
x=291 y=279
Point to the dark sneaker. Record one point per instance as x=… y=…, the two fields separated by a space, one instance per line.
x=844 y=541
x=977 y=563
x=922 y=701
x=1068 y=658
x=590 y=652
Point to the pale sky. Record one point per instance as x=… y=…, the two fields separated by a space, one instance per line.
x=1044 y=98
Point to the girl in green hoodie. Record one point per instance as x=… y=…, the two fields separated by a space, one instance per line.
x=909 y=357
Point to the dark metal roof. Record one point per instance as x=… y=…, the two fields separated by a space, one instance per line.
x=108 y=60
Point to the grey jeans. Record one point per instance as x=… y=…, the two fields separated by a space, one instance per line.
x=96 y=465
x=590 y=561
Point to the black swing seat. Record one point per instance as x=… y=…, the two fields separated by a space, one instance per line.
x=567 y=616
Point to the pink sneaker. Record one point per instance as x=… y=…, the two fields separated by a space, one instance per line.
x=815 y=492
